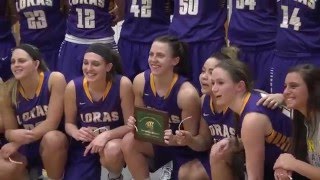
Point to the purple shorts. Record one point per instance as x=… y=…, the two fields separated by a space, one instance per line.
x=282 y=63
x=134 y=57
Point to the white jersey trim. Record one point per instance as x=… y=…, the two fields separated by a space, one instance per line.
x=77 y=40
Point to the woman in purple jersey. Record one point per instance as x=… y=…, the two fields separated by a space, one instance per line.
x=302 y=94
x=8 y=167
x=179 y=97
x=213 y=118
x=41 y=143
x=100 y=68
x=232 y=87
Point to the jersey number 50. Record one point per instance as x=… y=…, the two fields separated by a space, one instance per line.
x=190 y=7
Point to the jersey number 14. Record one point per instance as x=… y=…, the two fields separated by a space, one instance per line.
x=294 y=20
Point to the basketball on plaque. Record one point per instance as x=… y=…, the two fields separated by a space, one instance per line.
x=151 y=124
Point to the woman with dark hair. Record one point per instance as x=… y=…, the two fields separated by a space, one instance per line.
x=96 y=107
x=34 y=110
x=302 y=94
x=217 y=122
x=163 y=87
x=264 y=132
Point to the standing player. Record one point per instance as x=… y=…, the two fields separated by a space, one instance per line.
x=7 y=42
x=43 y=24
x=96 y=107
x=144 y=20
x=36 y=108
x=163 y=88
x=200 y=23
x=87 y=23
x=298 y=39
x=253 y=28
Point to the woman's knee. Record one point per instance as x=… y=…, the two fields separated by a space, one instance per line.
x=192 y=170
x=113 y=148
x=54 y=140
x=183 y=172
x=112 y=153
x=127 y=142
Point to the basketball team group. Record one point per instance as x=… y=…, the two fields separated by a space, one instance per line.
x=239 y=81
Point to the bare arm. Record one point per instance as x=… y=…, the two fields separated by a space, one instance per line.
x=307 y=170
x=7 y=112
x=200 y=142
x=57 y=85
x=189 y=101
x=118 y=11
x=203 y=140
x=253 y=133
x=8 y=115
x=64 y=7
x=14 y=17
x=70 y=109
x=1 y=124
x=290 y=163
x=138 y=86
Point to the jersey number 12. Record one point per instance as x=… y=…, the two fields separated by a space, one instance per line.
x=86 y=18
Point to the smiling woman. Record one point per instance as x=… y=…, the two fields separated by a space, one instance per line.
x=163 y=87
x=97 y=106
x=36 y=101
x=302 y=94
x=232 y=87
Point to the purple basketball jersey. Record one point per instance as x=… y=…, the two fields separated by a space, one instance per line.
x=221 y=125
x=253 y=23
x=31 y=112
x=41 y=23
x=89 y=19
x=198 y=20
x=105 y=113
x=298 y=26
x=169 y=104
x=145 y=20
x=278 y=141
